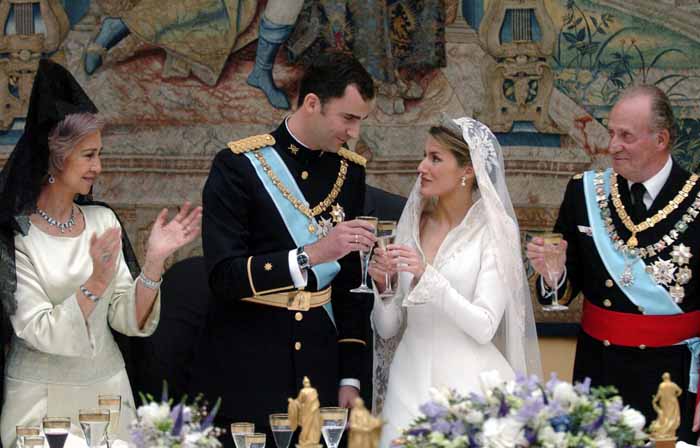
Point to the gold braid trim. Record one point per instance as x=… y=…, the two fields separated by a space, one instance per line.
x=352 y=341
x=299 y=205
x=250 y=143
x=352 y=156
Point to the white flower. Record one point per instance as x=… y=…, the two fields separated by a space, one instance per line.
x=440 y=396
x=604 y=442
x=474 y=417
x=565 y=394
x=551 y=439
x=503 y=433
x=490 y=379
x=153 y=412
x=633 y=418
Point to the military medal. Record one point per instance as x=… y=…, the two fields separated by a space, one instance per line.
x=325 y=225
x=337 y=213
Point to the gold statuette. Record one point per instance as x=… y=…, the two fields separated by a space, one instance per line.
x=305 y=411
x=365 y=429
x=665 y=403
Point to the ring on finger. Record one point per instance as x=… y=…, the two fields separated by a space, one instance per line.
x=106 y=256
x=357 y=239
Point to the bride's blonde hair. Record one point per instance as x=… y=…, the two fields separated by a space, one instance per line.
x=451 y=141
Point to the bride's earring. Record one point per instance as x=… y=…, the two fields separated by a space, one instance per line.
x=51 y=179
x=464 y=181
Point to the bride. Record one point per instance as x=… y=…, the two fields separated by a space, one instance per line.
x=463 y=303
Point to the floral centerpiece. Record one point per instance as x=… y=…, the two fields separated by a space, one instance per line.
x=526 y=413
x=159 y=425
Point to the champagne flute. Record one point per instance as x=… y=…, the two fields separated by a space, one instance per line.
x=386 y=234
x=254 y=440
x=239 y=430
x=32 y=441
x=23 y=431
x=56 y=430
x=364 y=258
x=113 y=403
x=94 y=423
x=281 y=430
x=333 y=422
x=553 y=260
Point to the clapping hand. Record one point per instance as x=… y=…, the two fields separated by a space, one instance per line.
x=536 y=255
x=166 y=237
x=104 y=251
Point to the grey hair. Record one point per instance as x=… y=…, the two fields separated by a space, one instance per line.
x=662 y=116
x=66 y=135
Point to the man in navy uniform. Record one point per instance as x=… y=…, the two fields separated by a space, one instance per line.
x=281 y=250
x=632 y=249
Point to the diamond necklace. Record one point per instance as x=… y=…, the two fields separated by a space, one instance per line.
x=62 y=226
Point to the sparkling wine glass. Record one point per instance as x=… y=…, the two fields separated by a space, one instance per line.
x=364 y=257
x=56 y=430
x=33 y=441
x=333 y=422
x=113 y=403
x=239 y=430
x=254 y=440
x=553 y=260
x=23 y=431
x=94 y=423
x=281 y=430
x=386 y=234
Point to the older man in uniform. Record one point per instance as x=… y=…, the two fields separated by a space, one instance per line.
x=632 y=248
x=280 y=243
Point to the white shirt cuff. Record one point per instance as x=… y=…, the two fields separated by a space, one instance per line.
x=350 y=382
x=299 y=278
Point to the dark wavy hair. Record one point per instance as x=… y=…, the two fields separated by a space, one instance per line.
x=330 y=73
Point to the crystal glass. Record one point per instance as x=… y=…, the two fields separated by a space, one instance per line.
x=333 y=422
x=553 y=260
x=239 y=430
x=56 y=430
x=32 y=441
x=386 y=234
x=94 y=423
x=254 y=440
x=23 y=431
x=281 y=430
x=364 y=257
x=113 y=403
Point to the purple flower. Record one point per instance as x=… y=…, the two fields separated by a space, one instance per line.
x=433 y=410
x=553 y=381
x=458 y=428
x=583 y=388
x=419 y=431
x=560 y=423
x=529 y=410
x=442 y=426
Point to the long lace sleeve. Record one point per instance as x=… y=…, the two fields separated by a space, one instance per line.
x=478 y=317
x=55 y=329
x=387 y=315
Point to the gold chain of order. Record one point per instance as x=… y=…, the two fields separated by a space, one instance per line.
x=657 y=218
x=323 y=205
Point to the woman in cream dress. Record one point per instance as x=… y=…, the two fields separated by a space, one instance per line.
x=463 y=305
x=71 y=282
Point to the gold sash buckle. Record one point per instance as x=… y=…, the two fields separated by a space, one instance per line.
x=293 y=300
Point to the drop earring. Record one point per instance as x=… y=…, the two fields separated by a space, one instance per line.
x=51 y=179
x=464 y=181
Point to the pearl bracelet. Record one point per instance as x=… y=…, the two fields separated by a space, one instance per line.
x=89 y=294
x=148 y=283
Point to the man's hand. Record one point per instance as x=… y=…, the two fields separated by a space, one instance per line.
x=347 y=396
x=346 y=237
x=535 y=253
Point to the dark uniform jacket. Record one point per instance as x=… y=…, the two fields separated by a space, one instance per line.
x=635 y=371
x=255 y=356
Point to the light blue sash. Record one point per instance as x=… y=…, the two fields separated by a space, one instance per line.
x=297 y=223
x=644 y=292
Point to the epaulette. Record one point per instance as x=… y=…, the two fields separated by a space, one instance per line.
x=577 y=176
x=251 y=143
x=352 y=156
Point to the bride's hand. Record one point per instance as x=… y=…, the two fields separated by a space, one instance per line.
x=380 y=269
x=406 y=259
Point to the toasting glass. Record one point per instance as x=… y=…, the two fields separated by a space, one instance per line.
x=364 y=257
x=553 y=260
x=386 y=234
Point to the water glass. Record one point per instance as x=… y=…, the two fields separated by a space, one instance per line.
x=23 y=431
x=281 y=430
x=33 y=441
x=333 y=422
x=94 y=423
x=239 y=430
x=113 y=403
x=254 y=440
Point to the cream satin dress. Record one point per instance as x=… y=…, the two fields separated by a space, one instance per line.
x=450 y=315
x=59 y=363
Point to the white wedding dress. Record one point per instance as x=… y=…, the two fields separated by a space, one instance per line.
x=470 y=311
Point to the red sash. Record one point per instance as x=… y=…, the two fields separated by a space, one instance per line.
x=635 y=330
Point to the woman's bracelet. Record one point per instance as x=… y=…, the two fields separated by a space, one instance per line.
x=89 y=294
x=148 y=283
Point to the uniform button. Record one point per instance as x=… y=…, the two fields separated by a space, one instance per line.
x=297 y=346
x=607 y=303
x=605 y=343
x=642 y=347
x=298 y=316
x=304 y=175
x=609 y=283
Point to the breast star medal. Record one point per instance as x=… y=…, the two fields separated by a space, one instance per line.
x=325 y=225
x=337 y=213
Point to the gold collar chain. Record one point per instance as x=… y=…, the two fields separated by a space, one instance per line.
x=299 y=205
x=649 y=222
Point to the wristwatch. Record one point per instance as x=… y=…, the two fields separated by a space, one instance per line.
x=303 y=259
